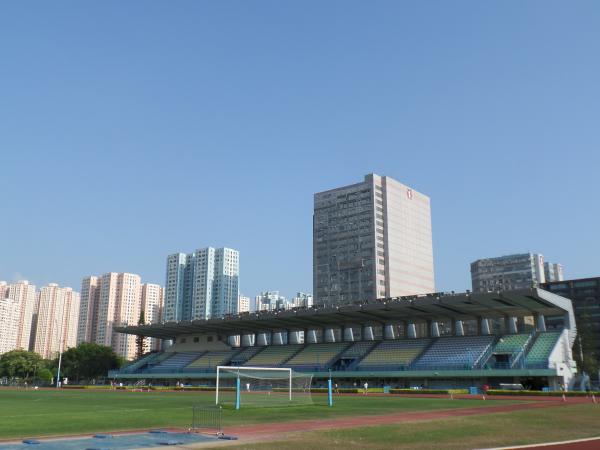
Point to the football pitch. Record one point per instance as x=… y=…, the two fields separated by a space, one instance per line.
x=72 y=412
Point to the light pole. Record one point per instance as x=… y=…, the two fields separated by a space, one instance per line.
x=60 y=342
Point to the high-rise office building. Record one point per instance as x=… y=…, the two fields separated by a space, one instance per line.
x=553 y=272
x=519 y=271
x=585 y=295
x=57 y=318
x=24 y=294
x=371 y=240
x=202 y=284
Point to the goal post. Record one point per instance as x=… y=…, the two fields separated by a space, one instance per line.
x=262 y=386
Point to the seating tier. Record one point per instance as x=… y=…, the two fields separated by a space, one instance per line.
x=210 y=360
x=273 y=355
x=461 y=352
x=511 y=343
x=177 y=361
x=317 y=354
x=245 y=354
x=542 y=347
x=394 y=353
x=358 y=349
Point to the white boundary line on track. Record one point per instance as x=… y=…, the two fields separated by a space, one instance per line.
x=545 y=444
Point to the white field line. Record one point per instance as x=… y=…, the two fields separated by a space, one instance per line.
x=545 y=444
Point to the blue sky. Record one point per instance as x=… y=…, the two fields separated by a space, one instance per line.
x=131 y=130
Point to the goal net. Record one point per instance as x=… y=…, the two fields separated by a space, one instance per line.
x=262 y=386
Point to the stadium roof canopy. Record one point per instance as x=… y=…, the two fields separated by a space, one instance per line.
x=429 y=307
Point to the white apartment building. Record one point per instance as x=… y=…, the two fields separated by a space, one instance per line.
x=57 y=318
x=117 y=299
x=270 y=301
x=371 y=240
x=24 y=294
x=87 y=328
x=9 y=323
x=152 y=304
x=202 y=285
x=302 y=299
x=243 y=304
x=120 y=304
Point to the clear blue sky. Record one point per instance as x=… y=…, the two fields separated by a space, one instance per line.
x=134 y=129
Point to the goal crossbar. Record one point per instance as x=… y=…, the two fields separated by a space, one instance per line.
x=244 y=369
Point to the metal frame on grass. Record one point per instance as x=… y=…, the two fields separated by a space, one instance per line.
x=263 y=369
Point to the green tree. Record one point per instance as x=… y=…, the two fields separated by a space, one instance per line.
x=88 y=361
x=587 y=341
x=140 y=341
x=20 y=364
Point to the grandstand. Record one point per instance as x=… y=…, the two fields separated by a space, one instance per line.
x=431 y=340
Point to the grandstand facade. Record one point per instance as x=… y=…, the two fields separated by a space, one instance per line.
x=432 y=341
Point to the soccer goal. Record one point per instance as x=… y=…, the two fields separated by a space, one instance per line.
x=262 y=386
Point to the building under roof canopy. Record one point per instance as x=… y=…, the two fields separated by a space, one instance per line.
x=423 y=308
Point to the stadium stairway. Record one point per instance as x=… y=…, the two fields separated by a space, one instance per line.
x=174 y=362
x=540 y=350
x=241 y=357
x=317 y=356
x=139 y=363
x=210 y=360
x=508 y=351
x=274 y=355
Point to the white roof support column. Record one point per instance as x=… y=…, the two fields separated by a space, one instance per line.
x=262 y=339
x=311 y=336
x=540 y=323
x=434 y=330
x=247 y=340
x=277 y=338
x=485 y=326
x=389 y=332
x=367 y=333
x=348 y=334
x=293 y=337
x=511 y=324
x=459 y=329
x=329 y=335
x=411 y=330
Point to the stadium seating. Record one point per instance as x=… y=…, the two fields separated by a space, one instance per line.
x=542 y=347
x=141 y=362
x=245 y=355
x=317 y=355
x=358 y=350
x=394 y=353
x=511 y=343
x=273 y=355
x=462 y=352
x=210 y=360
x=176 y=362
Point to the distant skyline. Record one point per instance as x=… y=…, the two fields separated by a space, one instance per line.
x=131 y=131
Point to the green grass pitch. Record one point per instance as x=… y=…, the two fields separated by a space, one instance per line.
x=68 y=412
x=49 y=412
